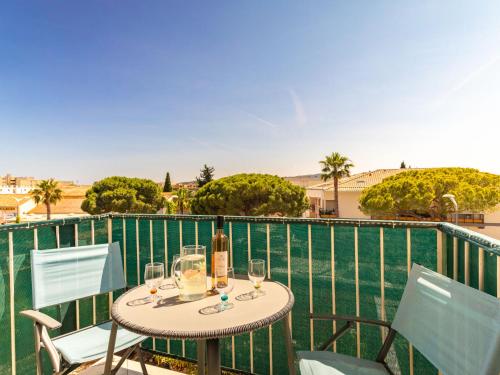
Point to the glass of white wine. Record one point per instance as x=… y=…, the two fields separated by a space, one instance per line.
x=153 y=276
x=256 y=275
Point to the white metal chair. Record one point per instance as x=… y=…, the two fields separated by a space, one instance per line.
x=67 y=274
x=456 y=327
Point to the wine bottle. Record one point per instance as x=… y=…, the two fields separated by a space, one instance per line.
x=219 y=254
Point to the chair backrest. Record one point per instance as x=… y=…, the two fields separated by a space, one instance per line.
x=67 y=274
x=456 y=327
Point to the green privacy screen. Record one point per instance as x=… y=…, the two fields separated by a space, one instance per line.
x=332 y=266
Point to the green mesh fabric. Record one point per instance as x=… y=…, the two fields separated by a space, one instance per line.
x=369 y=289
x=280 y=242
x=240 y=261
x=423 y=252
x=395 y=272
x=490 y=274
x=345 y=287
x=5 y=344
x=22 y=270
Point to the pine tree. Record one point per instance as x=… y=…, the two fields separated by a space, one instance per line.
x=403 y=165
x=167 y=187
x=206 y=175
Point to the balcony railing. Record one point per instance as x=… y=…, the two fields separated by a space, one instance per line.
x=342 y=266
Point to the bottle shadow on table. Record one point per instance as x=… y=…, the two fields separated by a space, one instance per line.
x=170 y=301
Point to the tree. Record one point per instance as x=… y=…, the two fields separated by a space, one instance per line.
x=420 y=192
x=123 y=194
x=403 y=165
x=170 y=207
x=182 y=199
x=206 y=175
x=250 y=195
x=47 y=192
x=167 y=186
x=335 y=166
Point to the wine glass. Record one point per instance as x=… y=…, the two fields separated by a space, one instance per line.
x=224 y=284
x=256 y=275
x=153 y=276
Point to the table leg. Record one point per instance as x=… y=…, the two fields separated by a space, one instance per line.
x=213 y=357
x=289 y=345
x=111 y=349
x=201 y=346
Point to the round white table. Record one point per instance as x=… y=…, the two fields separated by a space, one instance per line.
x=172 y=318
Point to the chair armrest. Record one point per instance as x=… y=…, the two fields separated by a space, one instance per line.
x=41 y=318
x=350 y=318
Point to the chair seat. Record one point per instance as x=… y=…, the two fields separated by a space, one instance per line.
x=92 y=343
x=329 y=363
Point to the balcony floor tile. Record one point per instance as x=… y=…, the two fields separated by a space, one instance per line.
x=128 y=368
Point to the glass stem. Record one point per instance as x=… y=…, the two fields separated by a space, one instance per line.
x=223 y=302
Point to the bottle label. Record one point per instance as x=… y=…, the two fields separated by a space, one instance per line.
x=220 y=260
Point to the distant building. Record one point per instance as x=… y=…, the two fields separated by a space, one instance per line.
x=321 y=197
x=9 y=180
x=21 y=185
x=70 y=205
x=13 y=204
x=190 y=185
x=6 y=189
x=16 y=185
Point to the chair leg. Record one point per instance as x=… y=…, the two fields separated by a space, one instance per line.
x=68 y=369
x=141 y=360
x=111 y=349
x=38 y=347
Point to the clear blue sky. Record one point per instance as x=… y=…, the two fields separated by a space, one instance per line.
x=96 y=88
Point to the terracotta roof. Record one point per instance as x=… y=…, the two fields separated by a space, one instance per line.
x=74 y=190
x=11 y=201
x=69 y=205
x=359 y=181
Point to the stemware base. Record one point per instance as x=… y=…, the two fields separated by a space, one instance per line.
x=214 y=309
x=250 y=295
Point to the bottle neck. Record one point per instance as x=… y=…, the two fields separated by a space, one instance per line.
x=219 y=231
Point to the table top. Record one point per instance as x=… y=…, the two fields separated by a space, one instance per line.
x=173 y=318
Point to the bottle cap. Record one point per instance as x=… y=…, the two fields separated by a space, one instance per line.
x=220 y=222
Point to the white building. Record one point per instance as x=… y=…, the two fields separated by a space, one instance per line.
x=321 y=197
x=8 y=189
x=13 y=205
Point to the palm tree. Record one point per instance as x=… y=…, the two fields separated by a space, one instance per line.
x=183 y=197
x=47 y=192
x=335 y=166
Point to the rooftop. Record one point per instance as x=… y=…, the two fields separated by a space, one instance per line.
x=67 y=205
x=11 y=201
x=359 y=181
